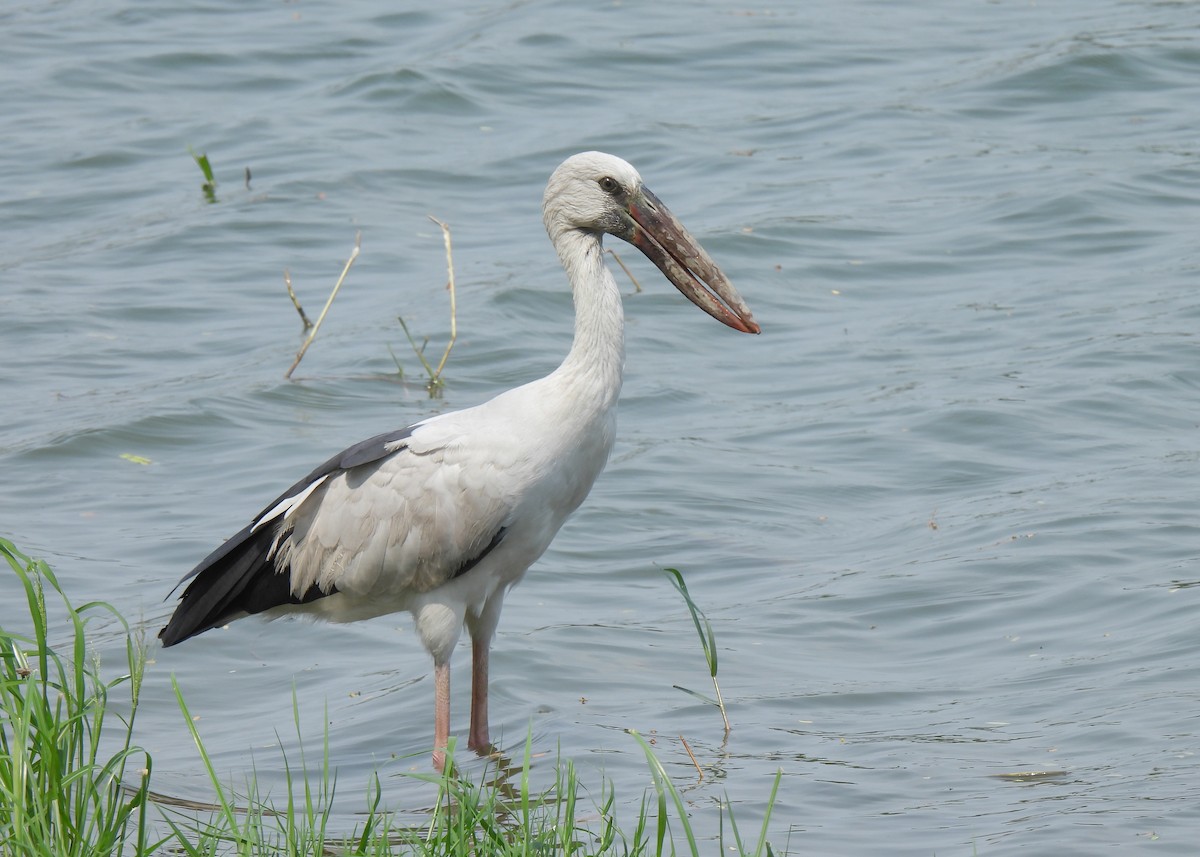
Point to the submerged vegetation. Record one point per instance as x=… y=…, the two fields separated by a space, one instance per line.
x=209 y=188
x=313 y=327
x=73 y=781
x=435 y=383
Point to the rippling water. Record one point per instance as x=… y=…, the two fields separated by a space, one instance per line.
x=941 y=514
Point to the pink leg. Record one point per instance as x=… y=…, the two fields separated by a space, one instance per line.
x=478 y=739
x=441 y=714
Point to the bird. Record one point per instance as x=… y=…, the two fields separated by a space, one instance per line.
x=443 y=517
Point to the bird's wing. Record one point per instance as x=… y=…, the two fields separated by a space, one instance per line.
x=363 y=452
x=406 y=522
x=397 y=512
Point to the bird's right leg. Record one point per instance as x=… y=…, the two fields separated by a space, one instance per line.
x=441 y=714
x=439 y=624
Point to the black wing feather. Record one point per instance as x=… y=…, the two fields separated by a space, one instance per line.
x=210 y=600
x=238 y=577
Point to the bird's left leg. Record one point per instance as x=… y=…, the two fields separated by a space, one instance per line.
x=478 y=738
x=482 y=627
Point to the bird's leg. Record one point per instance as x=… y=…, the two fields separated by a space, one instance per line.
x=441 y=714
x=478 y=739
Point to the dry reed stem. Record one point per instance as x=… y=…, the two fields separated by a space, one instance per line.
x=320 y=318
x=287 y=281
x=435 y=375
x=692 y=756
x=636 y=285
x=450 y=288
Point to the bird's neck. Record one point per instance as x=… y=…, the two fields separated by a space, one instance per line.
x=597 y=355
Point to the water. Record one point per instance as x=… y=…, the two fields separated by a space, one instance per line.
x=941 y=513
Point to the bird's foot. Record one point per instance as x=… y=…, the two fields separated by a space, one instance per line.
x=483 y=747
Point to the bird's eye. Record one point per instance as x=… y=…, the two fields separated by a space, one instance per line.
x=609 y=185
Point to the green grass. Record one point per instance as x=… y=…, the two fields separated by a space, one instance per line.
x=73 y=782
x=63 y=790
x=708 y=642
x=210 y=183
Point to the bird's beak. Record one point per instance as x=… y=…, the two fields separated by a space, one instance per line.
x=658 y=234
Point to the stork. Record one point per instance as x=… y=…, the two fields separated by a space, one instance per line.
x=443 y=517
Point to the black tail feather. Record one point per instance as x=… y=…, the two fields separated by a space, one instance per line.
x=235 y=579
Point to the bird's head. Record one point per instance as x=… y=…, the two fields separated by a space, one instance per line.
x=599 y=193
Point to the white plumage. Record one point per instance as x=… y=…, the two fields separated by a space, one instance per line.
x=443 y=517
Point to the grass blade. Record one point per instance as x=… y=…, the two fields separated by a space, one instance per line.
x=708 y=640
x=666 y=788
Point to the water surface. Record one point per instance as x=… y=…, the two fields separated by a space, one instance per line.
x=941 y=513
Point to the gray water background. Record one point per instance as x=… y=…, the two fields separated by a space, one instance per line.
x=942 y=513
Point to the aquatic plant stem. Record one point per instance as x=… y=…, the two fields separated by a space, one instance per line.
x=450 y=288
x=324 y=310
x=436 y=383
x=637 y=287
x=692 y=756
x=287 y=281
x=708 y=642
